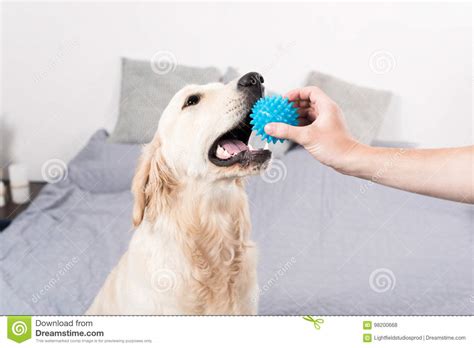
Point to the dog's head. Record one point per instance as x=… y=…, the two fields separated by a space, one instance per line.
x=203 y=133
x=205 y=130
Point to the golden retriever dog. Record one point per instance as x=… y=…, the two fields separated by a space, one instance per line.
x=191 y=252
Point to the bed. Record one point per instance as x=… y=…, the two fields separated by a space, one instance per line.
x=328 y=244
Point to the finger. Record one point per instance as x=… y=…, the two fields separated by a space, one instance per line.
x=293 y=95
x=303 y=112
x=302 y=103
x=285 y=131
x=303 y=121
x=309 y=113
x=311 y=93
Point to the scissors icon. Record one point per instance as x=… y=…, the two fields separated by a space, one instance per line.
x=316 y=322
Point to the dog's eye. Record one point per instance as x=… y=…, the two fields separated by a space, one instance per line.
x=192 y=100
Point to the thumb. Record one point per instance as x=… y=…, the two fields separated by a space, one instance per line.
x=285 y=131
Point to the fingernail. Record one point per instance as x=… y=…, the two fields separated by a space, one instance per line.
x=269 y=128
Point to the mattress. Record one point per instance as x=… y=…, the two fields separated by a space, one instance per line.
x=328 y=244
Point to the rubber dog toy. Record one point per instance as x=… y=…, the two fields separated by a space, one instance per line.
x=272 y=109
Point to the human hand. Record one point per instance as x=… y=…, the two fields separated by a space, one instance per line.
x=322 y=130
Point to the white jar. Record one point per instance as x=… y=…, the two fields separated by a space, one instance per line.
x=2 y=194
x=19 y=184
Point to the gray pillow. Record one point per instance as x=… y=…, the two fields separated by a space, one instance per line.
x=230 y=74
x=364 y=108
x=145 y=94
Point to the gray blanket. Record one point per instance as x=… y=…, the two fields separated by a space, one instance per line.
x=329 y=244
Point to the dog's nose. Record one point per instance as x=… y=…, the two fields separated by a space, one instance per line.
x=251 y=84
x=252 y=79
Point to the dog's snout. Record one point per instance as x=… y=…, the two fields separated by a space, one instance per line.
x=251 y=83
x=252 y=79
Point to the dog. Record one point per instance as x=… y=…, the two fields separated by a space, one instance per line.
x=191 y=252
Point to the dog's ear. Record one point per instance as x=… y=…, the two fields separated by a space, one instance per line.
x=152 y=184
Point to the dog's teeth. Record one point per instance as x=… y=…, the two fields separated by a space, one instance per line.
x=250 y=147
x=222 y=153
x=266 y=146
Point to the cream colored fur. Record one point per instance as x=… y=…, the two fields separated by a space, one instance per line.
x=191 y=252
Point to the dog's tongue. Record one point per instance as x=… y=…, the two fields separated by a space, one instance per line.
x=233 y=146
x=229 y=147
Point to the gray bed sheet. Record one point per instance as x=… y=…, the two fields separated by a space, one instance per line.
x=328 y=244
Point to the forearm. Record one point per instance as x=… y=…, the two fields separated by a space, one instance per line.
x=442 y=173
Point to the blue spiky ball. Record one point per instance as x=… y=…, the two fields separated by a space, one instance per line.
x=272 y=109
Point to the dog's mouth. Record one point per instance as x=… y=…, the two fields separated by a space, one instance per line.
x=233 y=147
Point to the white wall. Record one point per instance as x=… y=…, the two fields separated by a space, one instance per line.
x=61 y=71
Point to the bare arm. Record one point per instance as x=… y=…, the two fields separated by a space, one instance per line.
x=442 y=173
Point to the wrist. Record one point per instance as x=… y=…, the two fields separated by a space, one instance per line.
x=357 y=159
